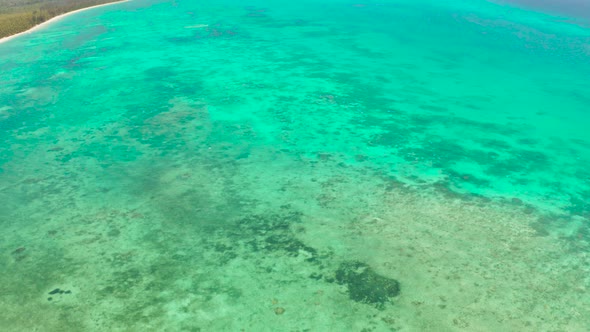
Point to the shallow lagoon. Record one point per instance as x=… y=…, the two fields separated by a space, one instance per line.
x=223 y=166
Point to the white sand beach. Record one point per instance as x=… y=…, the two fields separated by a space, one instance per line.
x=53 y=20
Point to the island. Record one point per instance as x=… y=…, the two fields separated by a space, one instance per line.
x=17 y=16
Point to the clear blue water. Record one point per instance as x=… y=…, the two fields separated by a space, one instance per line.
x=264 y=166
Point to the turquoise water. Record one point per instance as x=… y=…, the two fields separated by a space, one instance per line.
x=296 y=166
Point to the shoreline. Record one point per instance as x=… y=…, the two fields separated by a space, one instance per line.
x=55 y=19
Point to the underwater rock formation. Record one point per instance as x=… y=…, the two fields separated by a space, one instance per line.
x=365 y=285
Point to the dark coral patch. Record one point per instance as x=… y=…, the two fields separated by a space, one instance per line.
x=365 y=285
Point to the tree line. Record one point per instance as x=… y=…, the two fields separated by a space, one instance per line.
x=20 y=15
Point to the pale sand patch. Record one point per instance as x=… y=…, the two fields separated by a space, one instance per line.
x=198 y=26
x=53 y=20
x=4 y=112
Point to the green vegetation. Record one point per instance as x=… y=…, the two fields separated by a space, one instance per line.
x=20 y=15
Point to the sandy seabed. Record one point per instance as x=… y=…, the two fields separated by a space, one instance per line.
x=278 y=168
x=207 y=243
